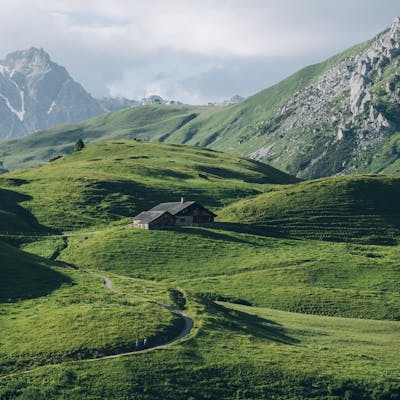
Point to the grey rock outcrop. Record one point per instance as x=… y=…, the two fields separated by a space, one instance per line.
x=155 y=99
x=352 y=107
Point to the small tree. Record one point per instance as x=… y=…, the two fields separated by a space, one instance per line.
x=79 y=145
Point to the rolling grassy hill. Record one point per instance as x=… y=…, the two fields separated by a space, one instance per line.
x=364 y=208
x=307 y=276
x=266 y=297
x=50 y=312
x=239 y=352
x=153 y=122
x=111 y=180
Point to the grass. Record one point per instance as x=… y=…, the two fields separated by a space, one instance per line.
x=353 y=208
x=239 y=352
x=13 y=217
x=314 y=277
x=266 y=297
x=49 y=312
x=153 y=121
x=112 y=180
x=25 y=276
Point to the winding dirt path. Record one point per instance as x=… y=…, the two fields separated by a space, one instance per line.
x=184 y=332
x=109 y=285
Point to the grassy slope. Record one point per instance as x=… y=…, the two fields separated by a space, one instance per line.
x=235 y=352
x=49 y=313
x=364 y=208
x=233 y=129
x=111 y=180
x=25 y=275
x=147 y=122
x=13 y=217
x=303 y=276
x=243 y=353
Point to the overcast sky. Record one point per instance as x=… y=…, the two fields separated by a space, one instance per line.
x=190 y=50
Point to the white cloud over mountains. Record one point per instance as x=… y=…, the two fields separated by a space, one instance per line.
x=197 y=49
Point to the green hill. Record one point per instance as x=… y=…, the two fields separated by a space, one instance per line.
x=111 y=180
x=305 y=125
x=352 y=208
x=265 y=352
x=153 y=122
x=50 y=313
x=239 y=352
x=267 y=299
x=227 y=262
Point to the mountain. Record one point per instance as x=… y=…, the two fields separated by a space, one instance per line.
x=148 y=122
x=110 y=104
x=154 y=99
x=343 y=118
x=337 y=117
x=233 y=100
x=36 y=93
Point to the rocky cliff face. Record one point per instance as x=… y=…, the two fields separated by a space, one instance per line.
x=335 y=124
x=36 y=93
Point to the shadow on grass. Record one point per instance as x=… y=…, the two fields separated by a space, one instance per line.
x=241 y=322
x=26 y=276
x=14 y=217
x=234 y=228
x=252 y=229
x=129 y=197
x=214 y=235
x=285 y=231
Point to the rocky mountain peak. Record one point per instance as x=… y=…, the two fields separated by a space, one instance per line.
x=396 y=24
x=371 y=63
x=30 y=55
x=28 y=61
x=36 y=93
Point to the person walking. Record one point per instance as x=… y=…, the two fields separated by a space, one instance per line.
x=137 y=345
x=145 y=342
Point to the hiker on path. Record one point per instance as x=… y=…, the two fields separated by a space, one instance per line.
x=145 y=342
x=137 y=345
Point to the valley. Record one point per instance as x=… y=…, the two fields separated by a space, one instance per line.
x=273 y=273
x=280 y=307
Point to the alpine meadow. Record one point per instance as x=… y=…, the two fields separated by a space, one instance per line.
x=246 y=249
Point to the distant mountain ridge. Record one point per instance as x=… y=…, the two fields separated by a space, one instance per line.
x=340 y=116
x=36 y=93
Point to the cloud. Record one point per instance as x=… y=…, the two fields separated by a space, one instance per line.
x=193 y=48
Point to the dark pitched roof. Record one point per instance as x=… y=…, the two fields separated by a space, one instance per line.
x=146 y=217
x=173 y=208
